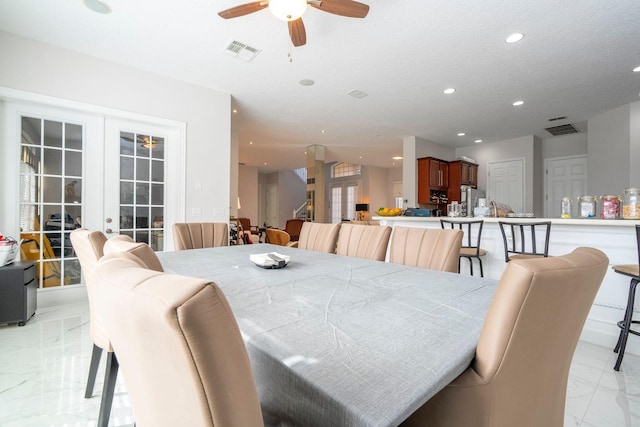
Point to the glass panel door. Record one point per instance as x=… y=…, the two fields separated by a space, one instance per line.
x=142 y=188
x=51 y=165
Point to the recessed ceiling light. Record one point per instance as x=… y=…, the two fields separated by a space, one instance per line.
x=265 y=163
x=98 y=6
x=322 y=131
x=449 y=91
x=637 y=69
x=461 y=134
x=235 y=111
x=397 y=157
x=518 y=103
x=478 y=141
x=250 y=142
x=514 y=38
x=306 y=82
x=360 y=156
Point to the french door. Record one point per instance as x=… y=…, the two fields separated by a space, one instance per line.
x=78 y=169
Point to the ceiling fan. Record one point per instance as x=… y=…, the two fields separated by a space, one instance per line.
x=292 y=10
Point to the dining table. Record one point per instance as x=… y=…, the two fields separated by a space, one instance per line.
x=344 y=341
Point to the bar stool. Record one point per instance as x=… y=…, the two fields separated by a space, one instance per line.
x=470 y=250
x=633 y=271
x=524 y=243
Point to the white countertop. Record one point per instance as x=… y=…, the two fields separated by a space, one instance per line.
x=558 y=221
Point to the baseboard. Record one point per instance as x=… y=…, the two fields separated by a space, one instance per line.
x=65 y=295
x=605 y=333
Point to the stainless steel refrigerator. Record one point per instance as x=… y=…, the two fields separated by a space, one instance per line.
x=469 y=199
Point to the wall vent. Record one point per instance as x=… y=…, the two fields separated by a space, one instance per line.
x=357 y=94
x=562 y=130
x=241 y=51
x=555 y=119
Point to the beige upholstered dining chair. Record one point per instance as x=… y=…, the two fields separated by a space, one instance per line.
x=124 y=243
x=319 y=237
x=426 y=248
x=278 y=237
x=89 y=248
x=198 y=235
x=179 y=347
x=363 y=241
x=519 y=374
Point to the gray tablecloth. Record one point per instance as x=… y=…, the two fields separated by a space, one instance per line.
x=341 y=341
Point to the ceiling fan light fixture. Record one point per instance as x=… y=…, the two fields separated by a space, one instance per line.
x=287 y=10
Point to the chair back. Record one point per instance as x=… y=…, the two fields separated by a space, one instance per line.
x=245 y=223
x=319 y=237
x=525 y=239
x=142 y=251
x=521 y=367
x=294 y=227
x=198 y=235
x=178 y=345
x=472 y=233
x=89 y=248
x=531 y=332
x=426 y=247
x=363 y=241
x=277 y=237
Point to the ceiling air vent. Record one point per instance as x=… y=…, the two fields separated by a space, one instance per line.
x=562 y=130
x=357 y=94
x=241 y=51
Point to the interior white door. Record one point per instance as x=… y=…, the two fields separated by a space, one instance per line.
x=272 y=205
x=506 y=183
x=143 y=181
x=564 y=177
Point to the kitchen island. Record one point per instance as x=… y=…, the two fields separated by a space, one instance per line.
x=615 y=237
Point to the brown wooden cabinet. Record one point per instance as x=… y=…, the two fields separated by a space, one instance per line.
x=461 y=173
x=433 y=176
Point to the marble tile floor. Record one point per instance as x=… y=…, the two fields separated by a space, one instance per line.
x=44 y=365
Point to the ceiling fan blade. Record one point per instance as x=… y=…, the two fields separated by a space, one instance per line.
x=297 y=32
x=243 y=9
x=349 y=8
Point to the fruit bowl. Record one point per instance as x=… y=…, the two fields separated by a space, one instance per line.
x=389 y=213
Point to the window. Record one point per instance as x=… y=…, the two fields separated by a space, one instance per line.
x=50 y=198
x=343 y=202
x=342 y=169
x=142 y=188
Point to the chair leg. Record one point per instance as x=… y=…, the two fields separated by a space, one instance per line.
x=626 y=324
x=470 y=265
x=93 y=370
x=108 y=389
x=480 y=262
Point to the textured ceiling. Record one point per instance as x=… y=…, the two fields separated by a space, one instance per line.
x=576 y=60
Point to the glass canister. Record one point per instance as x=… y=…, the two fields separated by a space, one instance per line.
x=630 y=203
x=587 y=206
x=565 y=208
x=610 y=207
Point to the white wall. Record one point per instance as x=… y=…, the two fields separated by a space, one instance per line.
x=634 y=144
x=377 y=190
x=574 y=144
x=248 y=193
x=292 y=193
x=45 y=69
x=608 y=152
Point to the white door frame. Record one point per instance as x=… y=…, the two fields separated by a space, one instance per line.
x=12 y=99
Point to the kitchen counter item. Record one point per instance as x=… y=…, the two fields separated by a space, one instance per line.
x=631 y=203
x=587 y=206
x=610 y=207
x=565 y=208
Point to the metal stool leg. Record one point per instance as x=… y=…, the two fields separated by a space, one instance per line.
x=481 y=272
x=93 y=370
x=626 y=323
x=108 y=389
x=470 y=265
